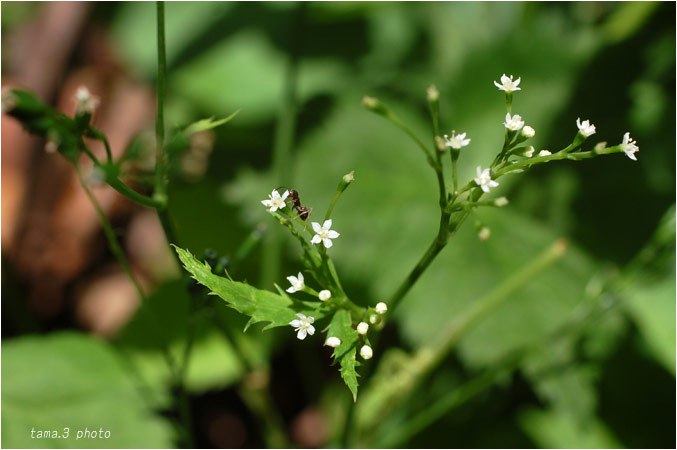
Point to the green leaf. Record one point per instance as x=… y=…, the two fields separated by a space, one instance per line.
x=208 y=124
x=259 y=305
x=70 y=380
x=344 y=354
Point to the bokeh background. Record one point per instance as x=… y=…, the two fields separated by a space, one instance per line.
x=77 y=353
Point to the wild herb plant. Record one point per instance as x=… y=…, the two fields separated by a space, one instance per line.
x=315 y=306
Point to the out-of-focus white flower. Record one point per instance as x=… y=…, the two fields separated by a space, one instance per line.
x=629 y=146
x=484 y=180
x=373 y=319
x=362 y=328
x=323 y=233
x=324 y=295
x=513 y=123
x=297 y=283
x=381 y=308
x=332 y=342
x=544 y=153
x=456 y=141
x=303 y=325
x=528 y=132
x=507 y=84
x=366 y=352
x=529 y=151
x=85 y=102
x=484 y=234
x=585 y=127
x=501 y=202
x=275 y=201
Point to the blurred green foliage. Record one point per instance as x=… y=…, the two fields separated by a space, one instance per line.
x=612 y=63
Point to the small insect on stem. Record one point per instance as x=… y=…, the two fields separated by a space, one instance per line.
x=302 y=211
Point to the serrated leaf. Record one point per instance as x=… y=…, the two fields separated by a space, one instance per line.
x=259 y=305
x=344 y=354
x=209 y=123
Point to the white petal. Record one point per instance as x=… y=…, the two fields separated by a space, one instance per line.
x=327 y=243
x=296 y=323
x=485 y=188
x=300 y=279
x=284 y=195
x=327 y=224
x=492 y=183
x=291 y=289
x=267 y=203
x=292 y=279
x=333 y=234
x=311 y=330
x=310 y=319
x=316 y=239
x=316 y=227
x=300 y=316
x=479 y=172
x=301 y=334
x=631 y=155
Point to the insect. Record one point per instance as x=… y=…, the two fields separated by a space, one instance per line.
x=303 y=211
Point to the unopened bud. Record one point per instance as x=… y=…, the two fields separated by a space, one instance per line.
x=501 y=202
x=600 y=146
x=381 y=308
x=544 y=153
x=528 y=132
x=324 y=295
x=484 y=234
x=85 y=102
x=362 y=328
x=349 y=177
x=333 y=342
x=374 y=104
x=433 y=93
x=529 y=151
x=440 y=144
x=366 y=352
x=373 y=319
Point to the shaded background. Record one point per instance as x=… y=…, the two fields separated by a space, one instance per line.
x=76 y=353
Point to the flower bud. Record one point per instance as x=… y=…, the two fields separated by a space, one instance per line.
x=374 y=104
x=501 y=202
x=484 y=234
x=349 y=177
x=544 y=153
x=373 y=319
x=381 y=308
x=324 y=295
x=433 y=93
x=362 y=328
x=332 y=342
x=366 y=352
x=529 y=151
x=528 y=132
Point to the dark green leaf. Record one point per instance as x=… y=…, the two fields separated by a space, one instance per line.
x=344 y=354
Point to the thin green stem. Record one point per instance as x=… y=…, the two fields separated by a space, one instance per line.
x=132 y=195
x=285 y=132
x=554 y=157
x=160 y=156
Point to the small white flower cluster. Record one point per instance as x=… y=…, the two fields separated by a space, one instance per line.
x=585 y=128
x=323 y=233
x=456 y=141
x=484 y=180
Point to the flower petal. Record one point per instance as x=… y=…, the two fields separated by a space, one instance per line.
x=316 y=239
x=301 y=334
x=296 y=323
x=327 y=243
x=327 y=224
x=316 y=227
x=333 y=234
x=311 y=330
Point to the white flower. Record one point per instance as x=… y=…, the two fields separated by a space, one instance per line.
x=629 y=146
x=513 y=123
x=433 y=93
x=528 y=132
x=530 y=151
x=333 y=342
x=456 y=141
x=303 y=325
x=297 y=284
x=373 y=319
x=484 y=234
x=323 y=233
x=381 y=308
x=85 y=103
x=507 y=84
x=363 y=327
x=366 y=352
x=544 y=153
x=324 y=295
x=585 y=127
x=484 y=180
x=274 y=201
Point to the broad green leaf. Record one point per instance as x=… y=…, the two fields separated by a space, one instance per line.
x=74 y=381
x=259 y=305
x=341 y=327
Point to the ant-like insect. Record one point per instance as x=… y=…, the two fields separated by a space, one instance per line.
x=302 y=211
